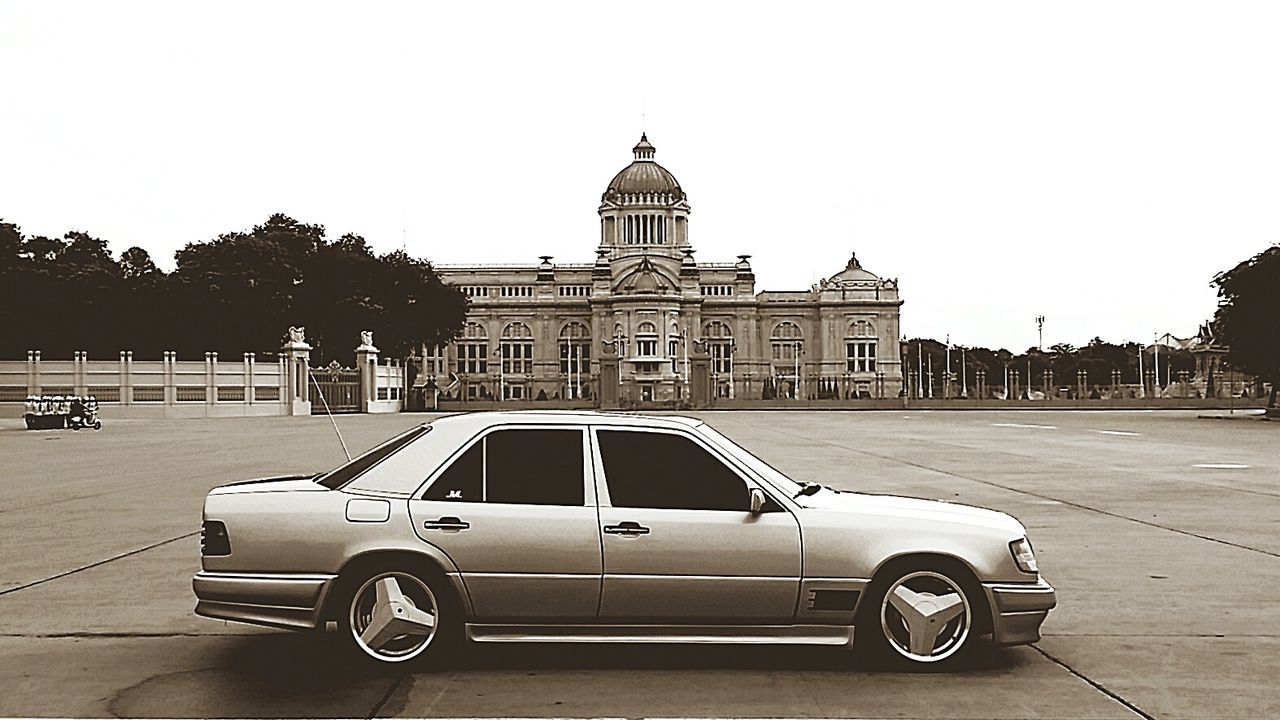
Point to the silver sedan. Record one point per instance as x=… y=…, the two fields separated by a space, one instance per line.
x=591 y=527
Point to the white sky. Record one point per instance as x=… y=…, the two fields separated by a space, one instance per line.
x=1095 y=162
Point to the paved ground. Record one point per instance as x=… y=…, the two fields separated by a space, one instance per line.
x=1166 y=573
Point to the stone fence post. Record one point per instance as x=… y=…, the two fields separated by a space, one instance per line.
x=33 y=372
x=608 y=390
x=367 y=364
x=297 y=355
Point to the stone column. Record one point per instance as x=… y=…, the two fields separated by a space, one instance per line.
x=607 y=393
x=79 y=359
x=126 y=392
x=33 y=372
x=297 y=356
x=210 y=378
x=367 y=364
x=170 y=391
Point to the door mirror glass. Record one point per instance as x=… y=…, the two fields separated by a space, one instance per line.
x=757 y=501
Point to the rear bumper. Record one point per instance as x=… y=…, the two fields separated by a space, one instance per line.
x=1018 y=609
x=293 y=601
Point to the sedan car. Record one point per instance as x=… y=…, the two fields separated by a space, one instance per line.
x=596 y=527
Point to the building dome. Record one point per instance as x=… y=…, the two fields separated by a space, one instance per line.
x=644 y=177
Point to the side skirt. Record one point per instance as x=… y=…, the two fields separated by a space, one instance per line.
x=711 y=634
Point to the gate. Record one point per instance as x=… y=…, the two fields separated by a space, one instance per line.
x=339 y=387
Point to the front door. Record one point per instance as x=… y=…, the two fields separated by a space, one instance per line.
x=515 y=511
x=680 y=544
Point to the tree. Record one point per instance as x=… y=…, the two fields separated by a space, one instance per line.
x=1246 y=319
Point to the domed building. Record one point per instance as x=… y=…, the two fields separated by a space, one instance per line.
x=541 y=331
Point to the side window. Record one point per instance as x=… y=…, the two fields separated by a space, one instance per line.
x=658 y=470
x=528 y=467
x=534 y=467
x=463 y=481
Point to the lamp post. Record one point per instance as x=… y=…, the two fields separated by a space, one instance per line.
x=1040 y=330
x=946 y=375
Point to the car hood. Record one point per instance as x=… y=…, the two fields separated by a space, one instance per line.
x=914 y=509
x=282 y=483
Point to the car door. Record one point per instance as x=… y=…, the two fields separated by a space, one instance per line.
x=680 y=543
x=515 y=511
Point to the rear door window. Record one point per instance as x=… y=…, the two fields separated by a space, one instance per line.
x=527 y=466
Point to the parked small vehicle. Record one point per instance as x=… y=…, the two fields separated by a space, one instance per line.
x=84 y=413
x=54 y=412
x=602 y=527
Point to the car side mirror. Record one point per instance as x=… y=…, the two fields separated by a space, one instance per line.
x=757 y=501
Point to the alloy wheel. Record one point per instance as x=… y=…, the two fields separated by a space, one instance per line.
x=393 y=617
x=925 y=616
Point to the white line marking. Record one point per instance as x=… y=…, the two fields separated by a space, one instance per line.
x=1221 y=466
x=1124 y=433
x=1023 y=425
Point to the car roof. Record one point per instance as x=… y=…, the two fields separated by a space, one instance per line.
x=480 y=420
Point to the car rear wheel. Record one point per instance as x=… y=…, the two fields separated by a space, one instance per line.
x=922 y=616
x=393 y=616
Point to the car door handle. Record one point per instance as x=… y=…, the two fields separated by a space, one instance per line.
x=447 y=523
x=627 y=529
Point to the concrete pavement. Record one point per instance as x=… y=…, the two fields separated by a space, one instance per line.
x=1165 y=572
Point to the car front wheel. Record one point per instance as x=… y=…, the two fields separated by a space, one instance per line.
x=922 y=616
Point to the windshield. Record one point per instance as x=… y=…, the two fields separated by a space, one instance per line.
x=762 y=468
x=344 y=474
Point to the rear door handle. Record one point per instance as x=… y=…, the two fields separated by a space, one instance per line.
x=627 y=529
x=448 y=523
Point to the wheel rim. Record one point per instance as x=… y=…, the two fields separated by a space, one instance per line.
x=925 y=616
x=393 y=617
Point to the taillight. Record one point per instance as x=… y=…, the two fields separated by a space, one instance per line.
x=214 y=539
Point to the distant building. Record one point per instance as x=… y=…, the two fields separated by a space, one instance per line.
x=532 y=331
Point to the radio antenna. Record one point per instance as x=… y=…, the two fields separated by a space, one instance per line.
x=330 y=414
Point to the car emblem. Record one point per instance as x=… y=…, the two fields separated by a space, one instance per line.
x=454 y=495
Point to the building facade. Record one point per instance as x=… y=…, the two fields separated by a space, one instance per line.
x=536 y=331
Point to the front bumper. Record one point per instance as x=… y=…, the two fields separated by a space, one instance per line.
x=293 y=601
x=1018 y=609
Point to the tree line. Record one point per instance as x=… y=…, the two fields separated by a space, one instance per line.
x=1097 y=359
x=236 y=293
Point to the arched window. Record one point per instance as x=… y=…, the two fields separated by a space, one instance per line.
x=647 y=339
x=860 y=347
x=862 y=328
x=473 y=350
x=788 y=344
x=516 y=348
x=575 y=356
x=720 y=345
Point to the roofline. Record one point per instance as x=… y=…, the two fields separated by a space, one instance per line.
x=582 y=417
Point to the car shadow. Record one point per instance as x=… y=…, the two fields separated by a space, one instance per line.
x=313 y=660
x=292 y=675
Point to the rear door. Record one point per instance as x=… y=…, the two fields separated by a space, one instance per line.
x=680 y=544
x=515 y=511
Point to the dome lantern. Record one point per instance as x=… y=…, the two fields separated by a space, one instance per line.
x=643 y=150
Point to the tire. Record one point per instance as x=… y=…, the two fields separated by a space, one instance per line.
x=398 y=599
x=922 y=615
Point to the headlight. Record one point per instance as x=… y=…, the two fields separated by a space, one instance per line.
x=1023 y=555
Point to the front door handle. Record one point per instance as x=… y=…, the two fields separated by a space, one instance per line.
x=627 y=529
x=447 y=523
